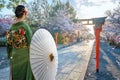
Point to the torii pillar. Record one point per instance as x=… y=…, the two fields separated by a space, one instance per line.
x=97 y=29
x=56 y=38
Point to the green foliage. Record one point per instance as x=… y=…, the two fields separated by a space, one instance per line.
x=11 y=3
x=2 y=2
x=34 y=27
x=111 y=42
x=59 y=38
x=70 y=9
x=75 y=20
x=58 y=5
x=118 y=45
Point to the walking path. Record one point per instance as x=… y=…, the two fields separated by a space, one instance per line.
x=73 y=61
x=4 y=73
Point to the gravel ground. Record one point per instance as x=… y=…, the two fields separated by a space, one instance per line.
x=109 y=68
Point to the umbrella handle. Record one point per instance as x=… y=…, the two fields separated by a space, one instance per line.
x=51 y=57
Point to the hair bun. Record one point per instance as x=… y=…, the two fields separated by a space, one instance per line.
x=19 y=11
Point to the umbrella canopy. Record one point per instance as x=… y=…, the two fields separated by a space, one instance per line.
x=43 y=55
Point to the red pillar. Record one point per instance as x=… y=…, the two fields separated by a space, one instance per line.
x=97 y=34
x=56 y=38
x=98 y=28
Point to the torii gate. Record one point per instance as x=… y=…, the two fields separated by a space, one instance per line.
x=98 y=22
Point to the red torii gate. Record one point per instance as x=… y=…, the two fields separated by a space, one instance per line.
x=97 y=22
x=97 y=29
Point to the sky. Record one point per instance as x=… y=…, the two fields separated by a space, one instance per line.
x=85 y=8
x=94 y=8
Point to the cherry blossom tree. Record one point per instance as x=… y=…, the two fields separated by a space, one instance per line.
x=5 y=25
x=111 y=29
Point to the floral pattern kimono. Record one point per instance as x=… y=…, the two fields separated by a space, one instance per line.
x=18 y=42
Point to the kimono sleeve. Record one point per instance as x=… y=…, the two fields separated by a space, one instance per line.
x=28 y=34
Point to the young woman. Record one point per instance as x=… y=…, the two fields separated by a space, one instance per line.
x=18 y=43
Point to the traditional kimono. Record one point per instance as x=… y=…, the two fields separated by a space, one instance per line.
x=18 y=43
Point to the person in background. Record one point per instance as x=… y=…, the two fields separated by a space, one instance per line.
x=18 y=45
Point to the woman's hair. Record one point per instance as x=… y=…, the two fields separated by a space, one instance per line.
x=19 y=11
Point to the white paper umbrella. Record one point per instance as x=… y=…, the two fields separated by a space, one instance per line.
x=43 y=55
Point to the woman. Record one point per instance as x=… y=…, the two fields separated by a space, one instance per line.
x=18 y=43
